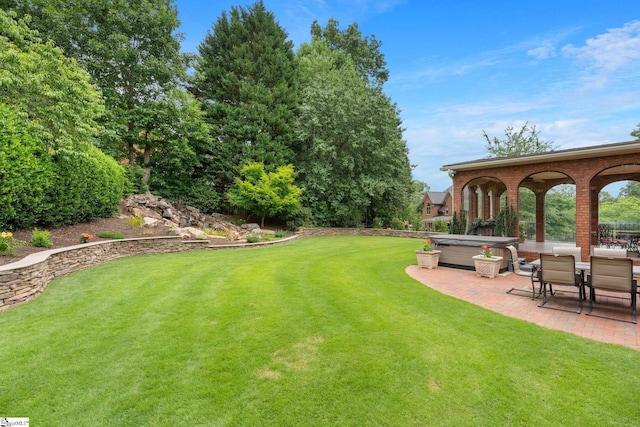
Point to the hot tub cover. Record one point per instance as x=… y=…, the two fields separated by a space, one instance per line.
x=472 y=240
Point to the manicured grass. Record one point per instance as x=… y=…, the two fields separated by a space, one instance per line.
x=320 y=331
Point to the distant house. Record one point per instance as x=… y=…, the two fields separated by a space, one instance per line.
x=436 y=205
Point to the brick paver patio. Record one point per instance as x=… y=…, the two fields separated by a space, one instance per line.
x=491 y=294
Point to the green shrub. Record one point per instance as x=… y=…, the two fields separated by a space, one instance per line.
x=397 y=224
x=110 y=235
x=135 y=221
x=252 y=238
x=280 y=234
x=377 y=222
x=25 y=172
x=41 y=238
x=440 y=225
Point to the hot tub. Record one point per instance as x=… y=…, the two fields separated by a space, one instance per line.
x=457 y=250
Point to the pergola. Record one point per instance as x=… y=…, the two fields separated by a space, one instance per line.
x=590 y=169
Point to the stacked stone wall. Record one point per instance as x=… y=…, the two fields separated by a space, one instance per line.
x=313 y=232
x=25 y=279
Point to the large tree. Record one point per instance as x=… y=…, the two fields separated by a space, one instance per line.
x=246 y=79
x=131 y=51
x=51 y=89
x=353 y=162
x=364 y=52
x=517 y=143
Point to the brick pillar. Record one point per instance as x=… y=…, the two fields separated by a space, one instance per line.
x=473 y=203
x=495 y=203
x=512 y=200
x=594 y=213
x=583 y=217
x=486 y=203
x=540 y=214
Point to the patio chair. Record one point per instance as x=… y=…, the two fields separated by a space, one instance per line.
x=559 y=270
x=613 y=275
x=571 y=250
x=523 y=269
x=605 y=235
x=610 y=252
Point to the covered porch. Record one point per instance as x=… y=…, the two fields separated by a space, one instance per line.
x=479 y=185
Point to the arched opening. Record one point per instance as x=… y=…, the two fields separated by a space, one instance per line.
x=482 y=204
x=548 y=199
x=618 y=209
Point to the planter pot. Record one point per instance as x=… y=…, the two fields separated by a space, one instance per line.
x=428 y=259
x=487 y=267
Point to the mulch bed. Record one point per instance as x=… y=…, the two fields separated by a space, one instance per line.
x=69 y=235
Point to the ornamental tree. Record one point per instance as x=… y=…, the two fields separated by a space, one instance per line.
x=266 y=194
x=524 y=141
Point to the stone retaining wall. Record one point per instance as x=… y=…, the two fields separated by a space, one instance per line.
x=313 y=232
x=25 y=279
x=28 y=277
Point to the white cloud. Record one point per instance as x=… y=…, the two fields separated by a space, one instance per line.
x=545 y=51
x=610 y=51
x=616 y=51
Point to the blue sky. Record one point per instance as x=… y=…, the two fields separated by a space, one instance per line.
x=458 y=68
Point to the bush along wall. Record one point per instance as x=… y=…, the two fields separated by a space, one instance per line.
x=26 y=172
x=87 y=185
x=42 y=188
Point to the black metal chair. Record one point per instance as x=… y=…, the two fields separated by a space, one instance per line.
x=613 y=275
x=560 y=270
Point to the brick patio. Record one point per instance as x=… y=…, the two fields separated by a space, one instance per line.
x=491 y=294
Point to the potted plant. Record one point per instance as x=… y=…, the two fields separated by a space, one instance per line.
x=427 y=256
x=487 y=264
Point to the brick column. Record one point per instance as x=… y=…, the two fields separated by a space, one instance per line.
x=583 y=217
x=473 y=203
x=594 y=213
x=486 y=203
x=540 y=194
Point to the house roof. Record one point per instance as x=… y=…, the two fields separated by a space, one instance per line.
x=437 y=197
x=527 y=159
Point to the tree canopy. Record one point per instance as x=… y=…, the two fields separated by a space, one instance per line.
x=250 y=99
x=130 y=50
x=364 y=52
x=51 y=89
x=524 y=141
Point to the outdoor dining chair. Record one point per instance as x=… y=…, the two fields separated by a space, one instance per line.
x=610 y=252
x=559 y=270
x=575 y=251
x=613 y=275
x=528 y=270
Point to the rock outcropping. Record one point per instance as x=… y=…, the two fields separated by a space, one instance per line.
x=186 y=221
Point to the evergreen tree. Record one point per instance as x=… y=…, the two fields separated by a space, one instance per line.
x=246 y=79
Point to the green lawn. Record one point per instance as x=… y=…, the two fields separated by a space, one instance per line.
x=320 y=331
